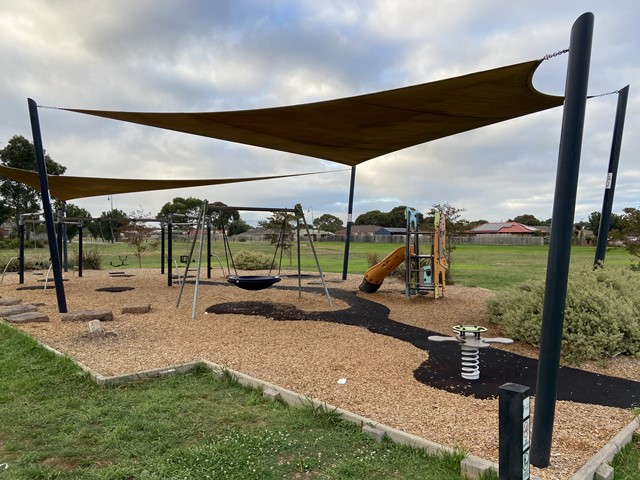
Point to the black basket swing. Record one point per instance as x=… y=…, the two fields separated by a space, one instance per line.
x=255 y=282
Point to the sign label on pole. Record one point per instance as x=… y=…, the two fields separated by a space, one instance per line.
x=515 y=438
x=607 y=185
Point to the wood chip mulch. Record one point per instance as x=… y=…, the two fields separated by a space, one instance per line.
x=282 y=336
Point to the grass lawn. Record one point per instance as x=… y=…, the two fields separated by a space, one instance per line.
x=58 y=424
x=487 y=266
x=626 y=464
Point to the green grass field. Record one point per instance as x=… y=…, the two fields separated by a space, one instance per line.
x=487 y=266
x=57 y=424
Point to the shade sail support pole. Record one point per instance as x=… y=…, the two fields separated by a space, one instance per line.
x=612 y=174
x=169 y=249
x=46 y=206
x=564 y=204
x=345 y=262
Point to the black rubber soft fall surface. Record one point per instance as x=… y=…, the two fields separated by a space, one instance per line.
x=442 y=369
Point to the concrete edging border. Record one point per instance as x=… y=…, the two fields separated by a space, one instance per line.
x=601 y=460
x=471 y=466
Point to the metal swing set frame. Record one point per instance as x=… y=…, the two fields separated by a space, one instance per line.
x=251 y=282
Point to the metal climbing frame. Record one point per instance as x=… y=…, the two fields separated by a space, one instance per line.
x=425 y=272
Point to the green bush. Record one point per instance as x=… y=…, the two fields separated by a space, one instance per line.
x=246 y=260
x=372 y=259
x=602 y=313
x=14 y=267
x=10 y=244
x=91 y=259
x=29 y=264
x=398 y=272
x=14 y=244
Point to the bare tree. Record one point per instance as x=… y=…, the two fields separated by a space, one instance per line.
x=137 y=235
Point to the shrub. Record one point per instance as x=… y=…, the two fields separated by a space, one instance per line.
x=372 y=259
x=10 y=244
x=91 y=258
x=398 y=272
x=14 y=244
x=14 y=267
x=246 y=260
x=602 y=313
x=29 y=264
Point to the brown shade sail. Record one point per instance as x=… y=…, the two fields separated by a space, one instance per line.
x=68 y=187
x=355 y=129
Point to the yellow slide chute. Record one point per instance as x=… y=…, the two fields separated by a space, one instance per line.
x=424 y=272
x=374 y=277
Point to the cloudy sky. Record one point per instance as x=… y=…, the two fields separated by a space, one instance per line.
x=199 y=55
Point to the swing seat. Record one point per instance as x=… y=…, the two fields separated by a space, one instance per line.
x=253 y=282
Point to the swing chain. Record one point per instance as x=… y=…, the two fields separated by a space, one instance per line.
x=549 y=56
x=614 y=92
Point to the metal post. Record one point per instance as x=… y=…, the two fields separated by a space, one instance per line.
x=201 y=225
x=562 y=231
x=46 y=205
x=201 y=216
x=162 y=248
x=514 y=441
x=300 y=212
x=345 y=264
x=299 y=266
x=612 y=173
x=208 y=247
x=80 y=225
x=170 y=250
x=21 y=255
x=59 y=236
x=65 y=240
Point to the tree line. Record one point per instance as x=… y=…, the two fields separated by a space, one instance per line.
x=112 y=225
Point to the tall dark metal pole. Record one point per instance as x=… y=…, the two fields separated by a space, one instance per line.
x=80 y=235
x=46 y=206
x=345 y=262
x=21 y=254
x=561 y=235
x=208 y=247
x=612 y=174
x=169 y=249
x=162 y=248
x=59 y=237
x=65 y=239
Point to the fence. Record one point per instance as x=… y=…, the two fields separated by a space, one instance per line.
x=487 y=239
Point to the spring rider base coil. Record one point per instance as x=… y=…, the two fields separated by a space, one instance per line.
x=468 y=336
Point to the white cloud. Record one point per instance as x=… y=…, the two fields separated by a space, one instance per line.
x=193 y=55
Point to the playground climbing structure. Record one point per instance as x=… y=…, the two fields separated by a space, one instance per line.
x=425 y=272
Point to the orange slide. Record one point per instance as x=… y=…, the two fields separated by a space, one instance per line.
x=374 y=277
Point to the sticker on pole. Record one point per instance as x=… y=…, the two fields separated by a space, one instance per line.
x=607 y=185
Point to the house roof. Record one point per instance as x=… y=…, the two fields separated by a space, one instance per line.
x=399 y=230
x=360 y=229
x=504 y=227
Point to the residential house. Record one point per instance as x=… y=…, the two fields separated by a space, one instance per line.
x=374 y=230
x=6 y=229
x=506 y=228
